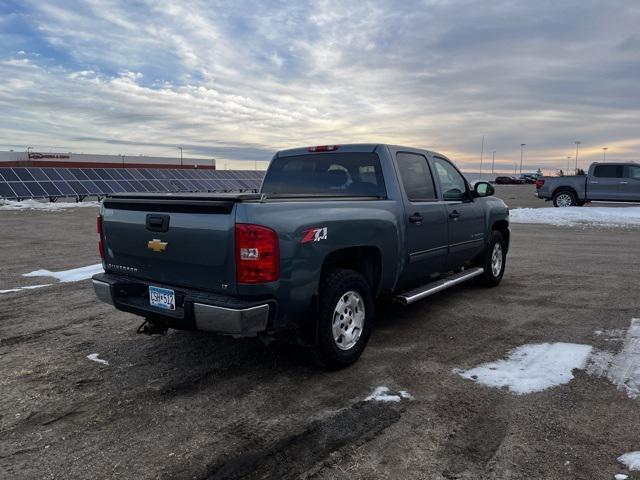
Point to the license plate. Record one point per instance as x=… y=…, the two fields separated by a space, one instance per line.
x=162 y=298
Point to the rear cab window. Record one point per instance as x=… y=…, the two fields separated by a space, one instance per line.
x=353 y=174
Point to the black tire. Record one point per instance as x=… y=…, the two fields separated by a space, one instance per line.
x=564 y=198
x=335 y=286
x=490 y=278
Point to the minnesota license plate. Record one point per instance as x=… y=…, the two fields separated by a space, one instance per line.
x=162 y=298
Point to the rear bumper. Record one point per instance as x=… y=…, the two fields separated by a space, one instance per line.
x=195 y=310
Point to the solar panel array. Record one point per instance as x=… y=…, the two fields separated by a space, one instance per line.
x=31 y=182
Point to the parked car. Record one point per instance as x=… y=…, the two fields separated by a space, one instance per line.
x=528 y=178
x=508 y=181
x=605 y=182
x=332 y=229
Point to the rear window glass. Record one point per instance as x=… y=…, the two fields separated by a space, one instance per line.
x=339 y=174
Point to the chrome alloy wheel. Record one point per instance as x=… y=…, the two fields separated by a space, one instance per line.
x=564 y=200
x=348 y=320
x=496 y=260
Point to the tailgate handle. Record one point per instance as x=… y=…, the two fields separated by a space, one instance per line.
x=157 y=223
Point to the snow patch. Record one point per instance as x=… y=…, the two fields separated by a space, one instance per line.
x=46 y=206
x=578 y=216
x=620 y=476
x=72 y=275
x=381 y=394
x=631 y=460
x=622 y=369
x=94 y=357
x=30 y=287
x=531 y=368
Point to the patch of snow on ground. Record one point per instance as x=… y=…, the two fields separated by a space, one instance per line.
x=620 y=476
x=43 y=205
x=381 y=394
x=94 y=357
x=622 y=369
x=631 y=460
x=30 y=287
x=531 y=368
x=578 y=216
x=72 y=275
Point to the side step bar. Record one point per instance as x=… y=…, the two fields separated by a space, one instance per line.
x=437 y=286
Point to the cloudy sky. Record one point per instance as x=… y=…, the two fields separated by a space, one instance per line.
x=238 y=80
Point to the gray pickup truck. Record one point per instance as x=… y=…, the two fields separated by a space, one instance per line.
x=604 y=182
x=332 y=229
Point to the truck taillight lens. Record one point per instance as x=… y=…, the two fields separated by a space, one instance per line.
x=539 y=183
x=257 y=254
x=99 y=230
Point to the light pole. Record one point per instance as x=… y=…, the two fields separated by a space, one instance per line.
x=604 y=153
x=181 y=164
x=577 y=142
x=568 y=164
x=522 y=145
x=493 y=162
x=29 y=152
x=481 y=156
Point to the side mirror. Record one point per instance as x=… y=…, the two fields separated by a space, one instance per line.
x=483 y=189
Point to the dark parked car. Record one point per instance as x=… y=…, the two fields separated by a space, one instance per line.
x=508 y=181
x=333 y=228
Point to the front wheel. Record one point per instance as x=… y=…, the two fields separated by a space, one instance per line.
x=345 y=318
x=495 y=260
x=564 y=199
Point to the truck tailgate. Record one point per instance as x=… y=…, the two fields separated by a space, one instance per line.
x=186 y=241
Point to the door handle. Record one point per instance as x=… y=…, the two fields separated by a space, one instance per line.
x=455 y=214
x=593 y=181
x=623 y=183
x=416 y=218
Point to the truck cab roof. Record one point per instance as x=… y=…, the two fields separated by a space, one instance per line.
x=346 y=148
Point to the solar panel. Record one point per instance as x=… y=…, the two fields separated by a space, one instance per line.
x=35 y=182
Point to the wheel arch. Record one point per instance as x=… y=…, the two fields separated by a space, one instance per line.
x=564 y=188
x=502 y=226
x=365 y=259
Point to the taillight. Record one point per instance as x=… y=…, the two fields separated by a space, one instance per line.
x=257 y=254
x=323 y=148
x=100 y=235
x=539 y=183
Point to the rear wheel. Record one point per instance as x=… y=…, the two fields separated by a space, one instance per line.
x=564 y=199
x=345 y=318
x=494 y=262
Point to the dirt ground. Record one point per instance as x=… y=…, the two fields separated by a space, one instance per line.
x=192 y=405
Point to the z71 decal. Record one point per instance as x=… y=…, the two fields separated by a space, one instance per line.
x=314 y=235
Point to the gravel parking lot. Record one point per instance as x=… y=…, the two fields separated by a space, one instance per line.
x=192 y=405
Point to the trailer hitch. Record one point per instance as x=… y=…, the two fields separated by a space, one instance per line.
x=150 y=327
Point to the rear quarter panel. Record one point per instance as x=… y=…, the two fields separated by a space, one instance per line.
x=348 y=223
x=553 y=184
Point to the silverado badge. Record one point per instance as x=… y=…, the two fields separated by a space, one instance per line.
x=157 y=245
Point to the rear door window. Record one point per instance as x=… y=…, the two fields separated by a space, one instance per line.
x=608 y=171
x=416 y=177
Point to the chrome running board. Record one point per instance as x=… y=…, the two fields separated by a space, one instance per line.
x=437 y=286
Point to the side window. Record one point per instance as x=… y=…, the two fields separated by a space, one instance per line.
x=608 y=171
x=632 y=172
x=454 y=186
x=416 y=177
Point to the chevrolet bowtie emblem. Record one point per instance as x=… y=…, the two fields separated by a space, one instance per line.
x=157 y=245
